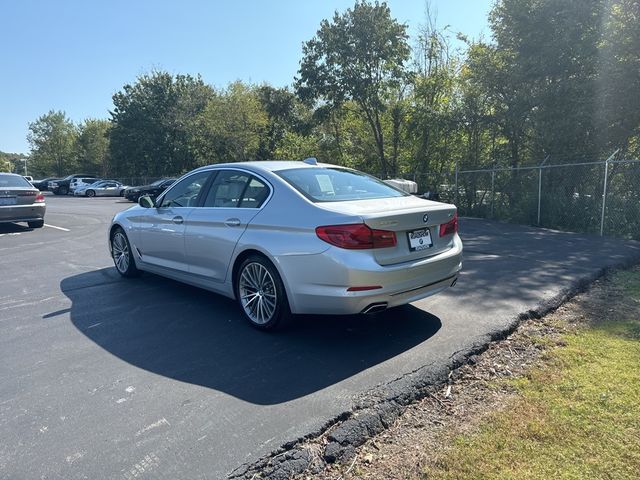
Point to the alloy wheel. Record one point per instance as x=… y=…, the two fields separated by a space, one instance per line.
x=257 y=292
x=121 y=254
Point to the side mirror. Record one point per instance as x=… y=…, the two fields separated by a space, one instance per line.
x=145 y=201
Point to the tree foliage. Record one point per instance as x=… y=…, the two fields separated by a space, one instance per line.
x=92 y=147
x=152 y=123
x=359 y=56
x=52 y=138
x=558 y=78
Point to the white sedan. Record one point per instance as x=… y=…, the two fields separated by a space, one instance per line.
x=288 y=238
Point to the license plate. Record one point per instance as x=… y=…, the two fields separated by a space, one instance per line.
x=419 y=239
x=7 y=200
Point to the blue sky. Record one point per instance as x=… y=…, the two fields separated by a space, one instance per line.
x=73 y=55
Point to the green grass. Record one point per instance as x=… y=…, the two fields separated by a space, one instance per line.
x=576 y=417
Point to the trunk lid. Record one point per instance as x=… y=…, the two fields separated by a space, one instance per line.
x=17 y=196
x=404 y=216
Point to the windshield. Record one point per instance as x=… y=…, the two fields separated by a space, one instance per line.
x=337 y=184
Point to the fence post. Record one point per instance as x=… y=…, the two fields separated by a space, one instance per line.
x=456 y=197
x=493 y=181
x=604 y=190
x=540 y=185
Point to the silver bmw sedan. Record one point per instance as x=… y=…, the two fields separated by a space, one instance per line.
x=287 y=238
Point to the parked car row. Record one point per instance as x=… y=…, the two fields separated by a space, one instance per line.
x=82 y=185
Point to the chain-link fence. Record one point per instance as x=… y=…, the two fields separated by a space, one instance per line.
x=593 y=197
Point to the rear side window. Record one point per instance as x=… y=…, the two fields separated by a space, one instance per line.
x=233 y=189
x=9 y=181
x=337 y=184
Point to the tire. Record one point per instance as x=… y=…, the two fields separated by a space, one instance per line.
x=261 y=294
x=122 y=193
x=90 y=193
x=63 y=190
x=122 y=256
x=36 y=224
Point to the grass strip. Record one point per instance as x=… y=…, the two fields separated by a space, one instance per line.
x=577 y=416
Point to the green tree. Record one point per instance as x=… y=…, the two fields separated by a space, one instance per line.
x=546 y=76
x=93 y=146
x=52 y=138
x=433 y=120
x=232 y=127
x=13 y=162
x=618 y=84
x=6 y=165
x=358 y=56
x=151 y=132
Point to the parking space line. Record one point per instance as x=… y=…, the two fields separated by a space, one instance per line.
x=57 y=228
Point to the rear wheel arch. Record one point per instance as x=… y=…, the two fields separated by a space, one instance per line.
x=248 y=253
x=260 y=291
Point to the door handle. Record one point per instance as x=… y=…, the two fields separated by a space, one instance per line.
x=177 y=220
x=232 y=222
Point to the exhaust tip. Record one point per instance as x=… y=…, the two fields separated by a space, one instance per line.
x=455 y=280
x=375 y=308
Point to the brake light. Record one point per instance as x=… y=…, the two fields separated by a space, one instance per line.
x=39 y=198
x=450 y=227
x=356 y=236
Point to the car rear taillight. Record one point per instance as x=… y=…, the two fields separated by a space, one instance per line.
x=39 y=198
x=450 y=227
x=356 y=236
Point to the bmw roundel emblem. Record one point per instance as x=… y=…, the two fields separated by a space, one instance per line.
x=425 y=218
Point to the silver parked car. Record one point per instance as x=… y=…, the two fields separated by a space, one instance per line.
x=292 y=237
x=20 y=201
x=101 y=188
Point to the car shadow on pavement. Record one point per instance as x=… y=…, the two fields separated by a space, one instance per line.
x=13 y=228
x=192 y=335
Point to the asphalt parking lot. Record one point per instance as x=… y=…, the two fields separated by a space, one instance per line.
x=102 y=377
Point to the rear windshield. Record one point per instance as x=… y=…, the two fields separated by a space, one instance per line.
x=8 y=181
x=337 y=184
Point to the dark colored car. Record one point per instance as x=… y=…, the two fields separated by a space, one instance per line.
x=43 y=185
x=20 y=201
x=61 y=187
x=153 y=190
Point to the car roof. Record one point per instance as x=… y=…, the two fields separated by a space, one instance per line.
x=270 y=165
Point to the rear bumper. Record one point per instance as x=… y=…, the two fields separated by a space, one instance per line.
x=22 y=213
x=317 y=284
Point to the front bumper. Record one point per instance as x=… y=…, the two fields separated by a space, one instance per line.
x=317 y=284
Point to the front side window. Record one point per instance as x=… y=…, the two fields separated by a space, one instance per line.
x=337 y=184
x=185 y=193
